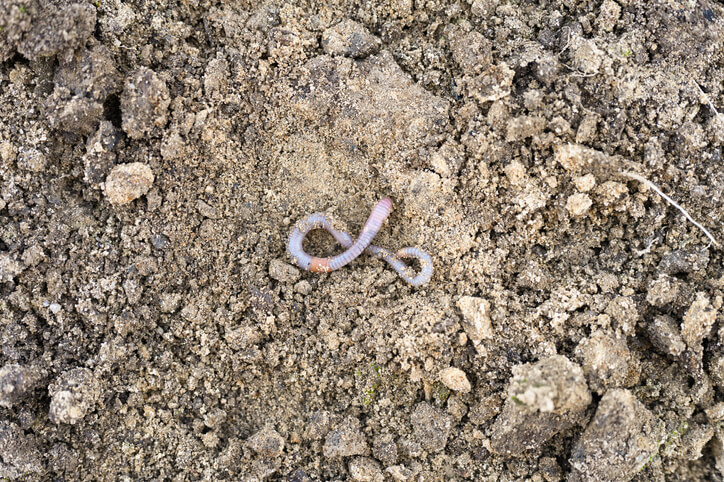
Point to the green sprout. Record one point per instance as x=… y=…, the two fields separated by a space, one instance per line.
x=441 y=392
x=369 y=392
x=369 y=395
x=676 y=433
x=22 y=8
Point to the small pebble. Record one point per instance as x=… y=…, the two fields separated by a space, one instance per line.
x=100 y=157
x=455 y=379
x=206 y=210
x=298 y=476
x=9 y=268
x=456 y=407
x=33 y=255
x=663 y=291
x=578 y=204
x=127 y=182
x=476 y=317
x=54 y=308
x=515 y=172
x=159 y=241
x=400 y=473
x=210 y=439
x=585 y=183
x=664 y=334
x=575 y=157
x=487 y=408
x=169 y=302
x=8 y=152
x=624 y=311
x=303 y=287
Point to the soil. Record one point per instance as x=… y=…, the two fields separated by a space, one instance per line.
x=154 y=157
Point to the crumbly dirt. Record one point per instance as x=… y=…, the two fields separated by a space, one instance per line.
x=154 y=157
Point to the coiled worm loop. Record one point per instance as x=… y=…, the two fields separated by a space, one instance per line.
x=355 y=247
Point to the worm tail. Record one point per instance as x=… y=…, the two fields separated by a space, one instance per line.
x=402 y=269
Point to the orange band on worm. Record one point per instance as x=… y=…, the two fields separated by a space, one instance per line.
x=320 y=265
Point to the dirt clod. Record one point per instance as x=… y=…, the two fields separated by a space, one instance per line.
x=53 y=26
x=73 y=395
x=144 y=103
x=698 y=320
x=284 y=272
x=606 y=362
x=127 y=182
x=19 y=452
x=432 y=427
x=365 y=469
x=476 y=318
x=346 y=439
x=16 y=383
x=100 y=157
x=267 y=443
x=618 y=442
x=543 y=398
x=350 y=39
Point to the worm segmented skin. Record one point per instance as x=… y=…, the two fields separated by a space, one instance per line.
x=355 y=247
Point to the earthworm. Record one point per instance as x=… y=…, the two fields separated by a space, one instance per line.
x=355 y=247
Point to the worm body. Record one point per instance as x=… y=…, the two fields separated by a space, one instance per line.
x=355 y=247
